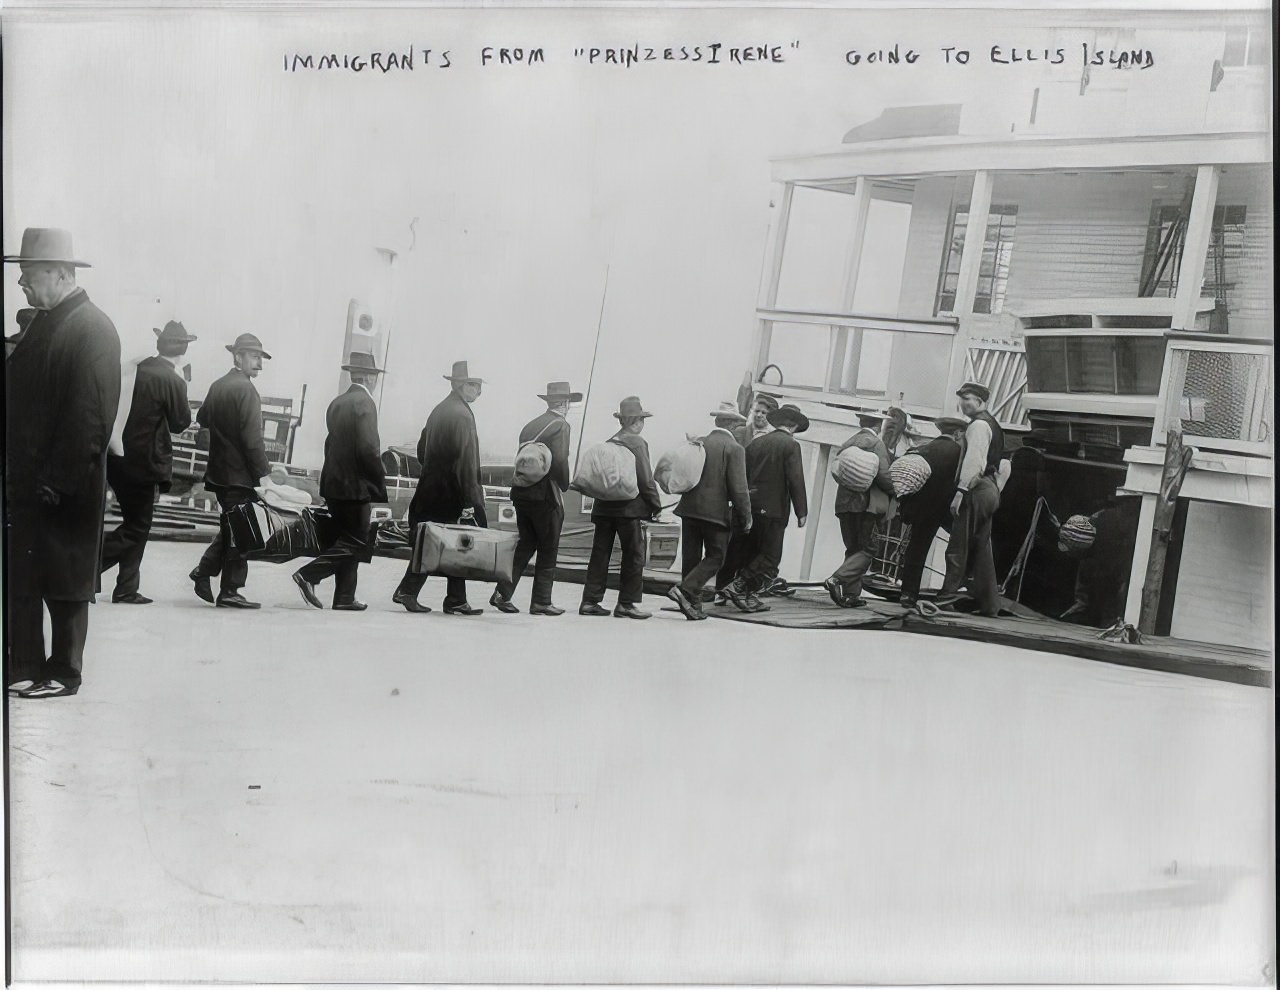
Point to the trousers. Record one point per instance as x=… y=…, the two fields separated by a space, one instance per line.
x=223 y=556
x=764 y=552
x=125 y=545
x=539 y=528
x=341 y=559
x=857 y=530
x=703 y=546
x=630 y=533
x=969 y=558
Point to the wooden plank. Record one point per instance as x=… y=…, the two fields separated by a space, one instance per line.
x=775 y=248
x=868 y=321
x=1195 y=248
x=1176 y=461
x=850 y=344
x=975 y=237
x=817 y=489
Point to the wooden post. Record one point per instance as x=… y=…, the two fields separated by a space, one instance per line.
x=816 y=492
x=770 y=276
x=849 y=347
x=1177 y=459
x=1195 y=248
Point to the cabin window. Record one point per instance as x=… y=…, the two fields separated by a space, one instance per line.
x=1164 y=248
x=993 y=272
x=1095 y=364
x=1246 y=46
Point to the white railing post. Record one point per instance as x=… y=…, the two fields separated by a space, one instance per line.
x=816 y=492
x=775 y=247
x=848 y=344
x=1195 y=248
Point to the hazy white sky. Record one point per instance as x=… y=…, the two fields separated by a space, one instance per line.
x=193 y=169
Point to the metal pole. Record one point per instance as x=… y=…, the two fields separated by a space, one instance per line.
x=586 y=399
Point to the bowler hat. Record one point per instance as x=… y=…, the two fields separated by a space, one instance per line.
x=788 y=415
x=360 y=361
x=630 y=406
x=248 y=342
x=559 y=392
x=949 y=424
x=48 y=244
x=729 y=410
x=461 y=374
x=974 y=388
x=173 y=333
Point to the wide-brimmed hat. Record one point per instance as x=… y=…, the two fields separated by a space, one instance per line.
x=869 y=414
x=974 y=388
x=173 y=333
x=729 y=410
x=788 y=415
x=560 y=392
x=248 y=342
x=48 y=244
x=462 y=374
x=631 y=407
x=948 y=424
x=765 y=399
x=360 y=361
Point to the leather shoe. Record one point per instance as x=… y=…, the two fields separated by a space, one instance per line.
x=349 y=606
x=235 y=600
x=131 y=599
x=410 y=603
x=502 y=604
x=545 y=610
x=308 y=590
x=630 y=612
x=691 y=611
x=835 y=589
x=17 y=687
x=463 y=609
x=49 y=689
x=203 y=590
x=592 y=608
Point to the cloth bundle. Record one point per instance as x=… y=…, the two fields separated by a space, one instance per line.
x=680 y=469
x=607 y=472
x=908 y=474
x=855 y=468
x=1076 y=535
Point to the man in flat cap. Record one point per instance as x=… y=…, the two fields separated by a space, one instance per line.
x=352 y=479
x=158 y=408
x=775 y=479
x=976 y=500
x=757 y=425
x=861 y=512
x=539 y=506
x=63 y=388
x=232 y=413
x=623 y=519
x=449 y=487
x=707 y=509
x=929 y=509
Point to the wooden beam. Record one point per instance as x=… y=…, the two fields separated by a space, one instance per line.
x=821 y=463
x=1195 y=249
x=843 y=372
x=1177 y=459
x=975 y=237
x=775 y=247
x=1141 y=555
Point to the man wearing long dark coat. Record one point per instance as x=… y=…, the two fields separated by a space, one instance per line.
x=158 y=409
x=351 y=480
x=449 y=487
x=63 y=382
x=232 y=413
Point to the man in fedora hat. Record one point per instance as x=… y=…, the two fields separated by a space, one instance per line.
x=775 y=478
x=860 y=513
x=977 y=497
x=709 y=507
x=352 y=479
x=449 y=487
x=539 y=507
x=623 y=519
x=157 y=409
x=63 y=388
x=929 y=509
x=758 y=424
x=232 y=413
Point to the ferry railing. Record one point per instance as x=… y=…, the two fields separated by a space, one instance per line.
x=1217 y=391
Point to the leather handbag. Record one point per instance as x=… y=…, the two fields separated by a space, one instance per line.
x=463 y=551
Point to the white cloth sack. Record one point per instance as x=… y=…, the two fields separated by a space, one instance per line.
x=680 y=469
x=607 y=471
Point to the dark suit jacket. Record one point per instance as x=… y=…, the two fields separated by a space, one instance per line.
x=232 y=413
x=449 y=449
x=555 y=432
x=746 y=433
x=775 y=476
x=932 y=503
x=63 y=389
x=876 y=498
x=353 y=470
x=721 y=493
x=159 y=408
x=648 y=502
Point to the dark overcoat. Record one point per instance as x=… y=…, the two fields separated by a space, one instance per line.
x=159 y=409
x=353 y=470
x=232 y=413
x=553 y=430
x=775 y=476
x=721 y=492
x=63 y=390
x=449 y=449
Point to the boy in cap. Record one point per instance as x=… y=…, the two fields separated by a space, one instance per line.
x=232 y=413
x=158 y=408
x=976 y=500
